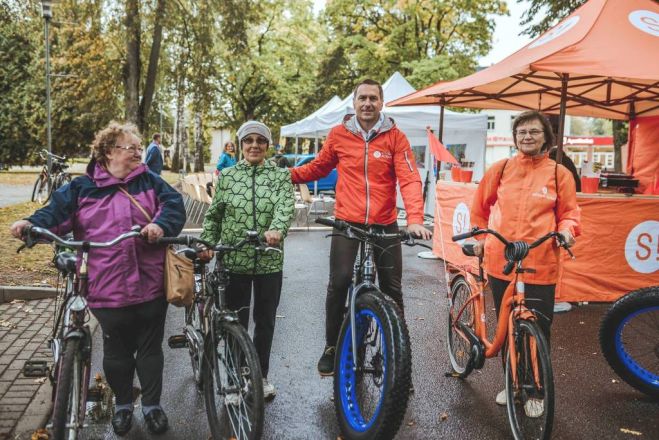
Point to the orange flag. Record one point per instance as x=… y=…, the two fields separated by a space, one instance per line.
x=438 y=150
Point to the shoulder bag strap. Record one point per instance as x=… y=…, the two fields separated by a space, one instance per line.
x=137 y=204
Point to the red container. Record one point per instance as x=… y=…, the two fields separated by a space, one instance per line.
x=466 y=175
x=456 y=174
x=589 y=184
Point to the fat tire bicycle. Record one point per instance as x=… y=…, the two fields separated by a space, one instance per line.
x=52 y=179
x=629 y=338
x=225 y=363
x=70 y=341
x=528 y=370
x=373 y=361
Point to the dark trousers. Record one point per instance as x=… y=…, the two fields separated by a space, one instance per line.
x=539 y=297
x=343 y=252
x=267 y=291
x=132 y=340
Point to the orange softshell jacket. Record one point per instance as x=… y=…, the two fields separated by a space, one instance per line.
x=367 y=173
x=524 y=188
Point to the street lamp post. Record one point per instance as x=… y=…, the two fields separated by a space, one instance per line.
x=47 y=12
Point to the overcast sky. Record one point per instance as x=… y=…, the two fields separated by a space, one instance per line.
x=506 y=39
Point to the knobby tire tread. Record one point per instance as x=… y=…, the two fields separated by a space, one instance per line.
x=64 y=388
x=623 y=307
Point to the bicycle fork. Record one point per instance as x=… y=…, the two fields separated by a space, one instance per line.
x=521 y=312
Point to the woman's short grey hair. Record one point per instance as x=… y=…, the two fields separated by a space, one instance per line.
x=533 y=115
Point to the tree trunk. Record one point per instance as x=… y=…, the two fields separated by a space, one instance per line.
x=132 y=67
x=152 y=70
x=619 y=139
x=199 y=144
x=177 y=160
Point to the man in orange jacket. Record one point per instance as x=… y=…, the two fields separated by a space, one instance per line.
x=371 y=155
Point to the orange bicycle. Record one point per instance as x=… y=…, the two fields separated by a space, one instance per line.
x=529 y=377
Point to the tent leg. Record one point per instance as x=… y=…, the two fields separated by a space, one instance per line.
x=561 y=118
x=315 y=183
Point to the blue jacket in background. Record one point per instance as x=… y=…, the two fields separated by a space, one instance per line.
x=154 y=158
x=226 y=161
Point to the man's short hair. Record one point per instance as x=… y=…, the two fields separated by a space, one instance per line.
x=156 y=136
x=368 y=82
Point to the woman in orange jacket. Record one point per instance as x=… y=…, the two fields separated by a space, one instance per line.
x=534 y=195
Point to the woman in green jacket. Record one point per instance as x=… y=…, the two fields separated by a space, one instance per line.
x=254 y=195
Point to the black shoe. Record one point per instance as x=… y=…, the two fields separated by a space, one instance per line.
x=326 y=362
x=122 y=420
x=156 y=421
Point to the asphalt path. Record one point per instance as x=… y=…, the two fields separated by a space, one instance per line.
x=12 y=194
x=591 y=402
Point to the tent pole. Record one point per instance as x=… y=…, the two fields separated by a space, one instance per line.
x=440 y=133
x=561 y=118
x=315 y=182
x=297 y=145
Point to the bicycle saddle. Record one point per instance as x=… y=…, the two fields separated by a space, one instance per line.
x=66 y=262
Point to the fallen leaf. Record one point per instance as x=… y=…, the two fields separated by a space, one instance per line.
x=614 y=381
x=280 y=316
x=411 y=423
x=17 y=301
x=40 y=380
x=443 y=416
x=40 y=434
x=420 y=318
x=581 y=323
x=629 y=431
x=8 y=324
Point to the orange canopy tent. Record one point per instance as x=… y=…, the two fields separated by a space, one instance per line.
x=601 y=61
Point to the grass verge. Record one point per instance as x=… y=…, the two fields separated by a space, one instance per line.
x=32 y=267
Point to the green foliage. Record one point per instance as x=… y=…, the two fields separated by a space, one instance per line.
x=551 y=11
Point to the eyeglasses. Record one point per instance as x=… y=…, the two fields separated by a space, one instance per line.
x=261 y=141
x=134 y=148
x=523 y=133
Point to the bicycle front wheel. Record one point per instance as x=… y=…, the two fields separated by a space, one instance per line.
x=459 y=347
x=68 y=407
x=629 y=338
x=233 y=386
x=41 y=189
x=529 y=384
x=372 y=391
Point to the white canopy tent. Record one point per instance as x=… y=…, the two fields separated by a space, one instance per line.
x=464 y=133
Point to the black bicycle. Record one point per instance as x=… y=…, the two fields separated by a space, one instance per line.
x=373 y=362
x=629 y=338
x=50 y=180
x=70 y=341
x=225 y=363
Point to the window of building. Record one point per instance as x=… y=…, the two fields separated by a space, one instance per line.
x=490 y=122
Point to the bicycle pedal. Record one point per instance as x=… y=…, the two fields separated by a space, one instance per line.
x=177 y=341
x=35 y=369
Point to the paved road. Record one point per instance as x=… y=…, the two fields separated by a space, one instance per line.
x=589 y=403
x=12 y=194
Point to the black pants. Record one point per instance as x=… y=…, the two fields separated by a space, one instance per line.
x=539 y=297
x=132 y=340
x=267 y=291
x=389 y=267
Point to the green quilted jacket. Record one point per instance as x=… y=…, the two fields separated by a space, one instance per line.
x=250 y=198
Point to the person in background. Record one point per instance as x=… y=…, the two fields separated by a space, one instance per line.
x=153 y=157
x=227 y=158
x=253 y=195
x=535 y=196
x=371 y=156
x=126 y=291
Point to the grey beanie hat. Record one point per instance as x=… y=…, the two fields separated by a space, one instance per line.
x=254 y=127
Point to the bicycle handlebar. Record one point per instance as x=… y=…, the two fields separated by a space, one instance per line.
x=45 y=153
x=348 y=229
x=32 y=234
x=189 y=241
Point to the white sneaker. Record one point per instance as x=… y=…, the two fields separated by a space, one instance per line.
x=269 y=391
x=534 y=408
x=232 y=399
x=502 y=399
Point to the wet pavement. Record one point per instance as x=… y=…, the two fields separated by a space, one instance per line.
x=591 y=402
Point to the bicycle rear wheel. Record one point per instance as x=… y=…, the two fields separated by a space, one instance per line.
x=69 y=405
x=459 y=347
x=530 y=384
x=233 y=386
x=41 y=189
x=629 y=338
x=371 y=393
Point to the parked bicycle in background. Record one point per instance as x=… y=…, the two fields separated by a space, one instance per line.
x=224 y=360
x=50 y=180
x=70 y=341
